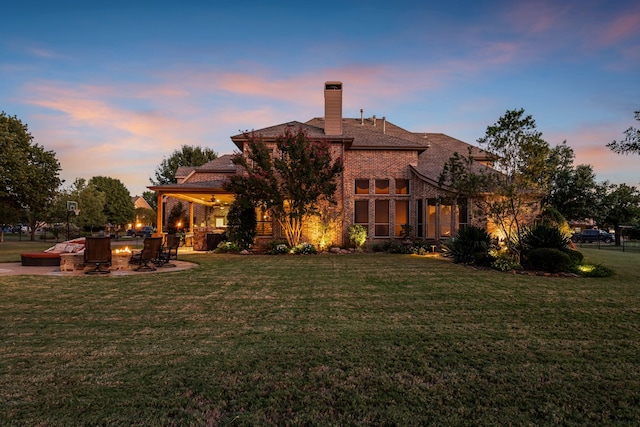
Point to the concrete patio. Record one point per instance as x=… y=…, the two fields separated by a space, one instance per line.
x=16 y=268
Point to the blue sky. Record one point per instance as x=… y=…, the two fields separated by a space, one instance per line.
x=115 y=88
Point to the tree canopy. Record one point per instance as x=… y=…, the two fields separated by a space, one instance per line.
x=621 y=205
x=573 y=190
x=510 y=192
x=187 y=155
x=631 y=141
x=29 y=174
x=151 y=197
x=118 y=208
x=290 y=182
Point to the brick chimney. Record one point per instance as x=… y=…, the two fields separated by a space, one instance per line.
x=333 y=108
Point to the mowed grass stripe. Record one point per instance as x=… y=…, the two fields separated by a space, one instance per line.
x=321 y=340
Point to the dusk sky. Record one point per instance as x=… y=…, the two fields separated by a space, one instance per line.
x=114 y=88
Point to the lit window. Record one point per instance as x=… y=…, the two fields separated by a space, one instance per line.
x=382 y=186
x=431 y=219
x=402 y=215
x=361 y=214
x=402 y=186
x=362 y=186
x=445 y=220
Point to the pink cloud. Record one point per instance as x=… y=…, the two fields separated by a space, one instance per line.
x=589 y=145
x=42 y=53
x=622 y=27
x=535 y=17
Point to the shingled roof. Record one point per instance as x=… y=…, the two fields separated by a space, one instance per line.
x=220 y=164
x=380 y=134
x=272 y=132
x=442 y=148
x=358 y=134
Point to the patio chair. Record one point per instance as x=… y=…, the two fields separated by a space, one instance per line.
x=149 y=254
x=169 y=251
x=97 y=251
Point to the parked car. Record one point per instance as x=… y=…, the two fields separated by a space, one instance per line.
x=20 y=229
x=140 y=232
x=593 y=235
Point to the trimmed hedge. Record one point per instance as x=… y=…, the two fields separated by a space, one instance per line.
x=549 y=259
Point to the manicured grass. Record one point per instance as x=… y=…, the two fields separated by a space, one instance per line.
x=365 y=339
x=12 y=247
x=10 y=250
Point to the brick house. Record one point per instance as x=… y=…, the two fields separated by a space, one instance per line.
x=390 y=179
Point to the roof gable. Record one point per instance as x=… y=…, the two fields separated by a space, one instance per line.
x=221 y=164
x=272 y=132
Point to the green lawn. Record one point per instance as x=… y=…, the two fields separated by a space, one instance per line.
x=366 y=339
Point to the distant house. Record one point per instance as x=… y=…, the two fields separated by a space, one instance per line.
x=140 y=202
x=390 y=179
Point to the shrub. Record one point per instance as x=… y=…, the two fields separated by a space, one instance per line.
x=483 y=258
x=550 y=216
x=241 y=226
x=407 y=231
x=304 y=249
x=575 y=257
x=398 y=248
x=278 y=247
x=228 y=247
x=358 y=235
x=420 y=249
x=503 y=262
x=548 y=259
x=590 y=270
x=471 y=244
x=545 y=236
x=381 y=246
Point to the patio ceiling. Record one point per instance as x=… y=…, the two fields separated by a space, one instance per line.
x=202 y=198
x=210 y=193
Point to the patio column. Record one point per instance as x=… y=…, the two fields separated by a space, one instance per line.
x=159 y=213
x=191 y=217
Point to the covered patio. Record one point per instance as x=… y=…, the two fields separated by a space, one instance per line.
x=207 y=206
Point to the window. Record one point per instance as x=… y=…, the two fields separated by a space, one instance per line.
x=402 y=186
x=445 y=220
x=382 y=186
x=361 y=212
x=431 y=219
x=264 y=226
x=402 y=215
x=419 y=218
x=382 y=218
x=362 y=186
x=439 y=219
x=463 y=214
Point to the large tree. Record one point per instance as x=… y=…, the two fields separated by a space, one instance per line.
x=118 y=207
x=9 y=214
x=509 y=193
x=631 y=141
x=573 y=190
x=92 y=204
x=291 y=183
x=620 y=206
x=152 y=198
x=29 y=174
x=187 y=155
